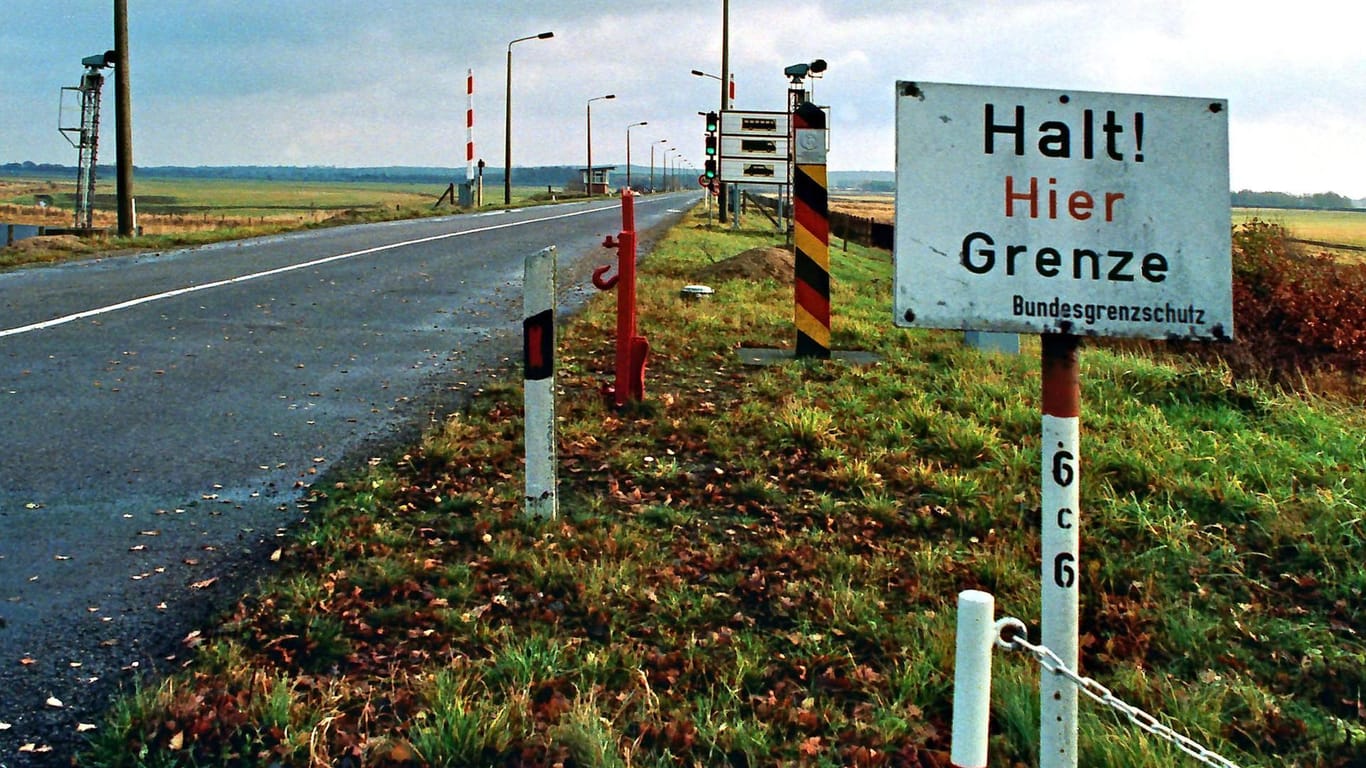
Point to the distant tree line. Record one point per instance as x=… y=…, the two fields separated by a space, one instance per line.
x=1246 y=198
x=557 y=176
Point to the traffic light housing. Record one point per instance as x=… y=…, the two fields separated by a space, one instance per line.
x=711 y=146
x=709 y=169
x=713 y=122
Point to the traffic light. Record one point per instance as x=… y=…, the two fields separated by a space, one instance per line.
x=709 y=169
x=712 y=122
x=711 y=146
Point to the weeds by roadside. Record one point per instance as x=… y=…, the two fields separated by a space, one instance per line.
x=758 y=566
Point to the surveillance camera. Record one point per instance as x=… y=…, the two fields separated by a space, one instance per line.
x=797 y=70
x=99 y=60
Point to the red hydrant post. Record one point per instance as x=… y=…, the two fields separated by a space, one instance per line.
x=632 y=348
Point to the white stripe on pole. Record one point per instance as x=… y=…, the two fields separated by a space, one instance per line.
x=469 y=125
x=1059 y=624
x=972 y=679
x=538 y=301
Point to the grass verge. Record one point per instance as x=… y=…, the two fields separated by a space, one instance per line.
x=758 y=566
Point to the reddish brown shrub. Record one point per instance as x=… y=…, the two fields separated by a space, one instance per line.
x=1296 y=315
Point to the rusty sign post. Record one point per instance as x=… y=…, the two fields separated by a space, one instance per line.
x=1064 y=214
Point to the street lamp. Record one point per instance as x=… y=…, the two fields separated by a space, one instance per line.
x=730 y=88
x=588 y=186
x=507 y=120
x=628 y=150
x=652 y=162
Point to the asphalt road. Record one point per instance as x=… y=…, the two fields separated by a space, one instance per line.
x=164 y=416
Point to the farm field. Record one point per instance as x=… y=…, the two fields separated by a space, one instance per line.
x=1338 y=227
x=178 y=205
x=187 y=212
x=1345 y=228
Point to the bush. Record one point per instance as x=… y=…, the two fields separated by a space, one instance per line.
x=1297 y=316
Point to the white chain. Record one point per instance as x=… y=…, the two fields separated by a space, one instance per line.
x=1011 y=636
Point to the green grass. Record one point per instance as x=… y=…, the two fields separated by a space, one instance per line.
x=759 y=566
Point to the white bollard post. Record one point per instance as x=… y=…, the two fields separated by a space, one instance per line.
x=972 y=679
x=538 y=357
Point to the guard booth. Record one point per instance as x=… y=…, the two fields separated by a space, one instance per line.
x=601 y=183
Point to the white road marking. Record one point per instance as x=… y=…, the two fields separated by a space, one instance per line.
x=271 y=272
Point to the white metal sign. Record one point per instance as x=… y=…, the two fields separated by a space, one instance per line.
x=754 y=147
x=744 y=123
x=1026 y=210
x=737 y=170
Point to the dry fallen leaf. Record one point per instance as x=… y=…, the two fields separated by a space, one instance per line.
x=54 y=702
x=83 y=727
x=27 y=661
x=5 y=726
x=205 y=584
x=178 y=741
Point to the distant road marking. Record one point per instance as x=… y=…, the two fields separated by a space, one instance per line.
x=272 y=272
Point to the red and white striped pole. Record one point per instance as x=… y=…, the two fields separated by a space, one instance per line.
x=469 y=126
x=1061 y=540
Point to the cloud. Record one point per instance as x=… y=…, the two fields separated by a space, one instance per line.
x=362 y=82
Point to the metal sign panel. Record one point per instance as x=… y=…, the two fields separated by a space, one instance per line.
x=1026 y=210
x=738 y=123
x=810 y=146
x=761 y=148
x=739 y=170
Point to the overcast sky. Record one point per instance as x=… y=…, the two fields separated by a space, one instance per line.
x=381 y=82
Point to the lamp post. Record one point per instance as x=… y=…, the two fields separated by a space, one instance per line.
x=628 y=150
x=652 y=162
x=588 y=110
x=507 y=120
x=730 y=88
x=725 y=93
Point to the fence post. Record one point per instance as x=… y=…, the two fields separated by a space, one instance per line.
x=972 y=679
x=538 y=357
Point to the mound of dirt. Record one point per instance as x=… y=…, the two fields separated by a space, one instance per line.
x=755 y=264
x=69 y=243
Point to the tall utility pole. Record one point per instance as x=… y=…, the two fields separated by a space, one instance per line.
x=123 y=120
x=725 y=91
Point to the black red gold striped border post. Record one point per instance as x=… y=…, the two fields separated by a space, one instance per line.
x=811 y=213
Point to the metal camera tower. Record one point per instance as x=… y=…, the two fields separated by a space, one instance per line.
x=87 y=132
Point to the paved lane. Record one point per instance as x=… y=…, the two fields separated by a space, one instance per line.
x=162 y=416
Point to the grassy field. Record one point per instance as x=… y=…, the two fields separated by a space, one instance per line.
x=1338 y=227
x=758 y=566
x=184 y=212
